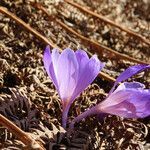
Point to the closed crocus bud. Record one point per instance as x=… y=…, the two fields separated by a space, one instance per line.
x=71 y=72
x=129 y=100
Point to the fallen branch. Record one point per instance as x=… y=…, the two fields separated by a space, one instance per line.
x=27 y=27
x=130 y=32
x=21 y=135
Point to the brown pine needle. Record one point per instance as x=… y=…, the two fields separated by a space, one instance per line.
x=27 y=27
x=21 y=135
x=97 y=47
x=130 y=32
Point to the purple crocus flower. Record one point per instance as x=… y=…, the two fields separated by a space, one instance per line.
x=129 y=100
x=71 y=72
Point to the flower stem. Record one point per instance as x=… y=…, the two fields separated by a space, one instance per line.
x=85 y=114
x=65 y=115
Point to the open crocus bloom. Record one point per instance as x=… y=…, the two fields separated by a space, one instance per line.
x=71 y=72
x=129 y=100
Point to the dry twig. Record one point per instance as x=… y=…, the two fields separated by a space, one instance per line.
x=132 y=33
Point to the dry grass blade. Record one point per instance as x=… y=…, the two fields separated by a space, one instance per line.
x=97 y=47
x=27 y=140
x=27 y=27
x=108 y=21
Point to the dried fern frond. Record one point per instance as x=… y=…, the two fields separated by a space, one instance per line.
x=119 y=133
x=17 y=107
x=48 y=135
x=57 y=138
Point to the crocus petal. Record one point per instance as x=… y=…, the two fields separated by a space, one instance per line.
x=53 y=68
x=82 y=59
x=129 y=73
x=129 y=100
x=47 y=59
x=129 y=85
x=88 y=70
x=67 y=74
x=125 y=87
x=50 y=60
x=55 y=56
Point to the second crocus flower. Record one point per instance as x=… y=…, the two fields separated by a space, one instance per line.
x=71 y=72
x=129 y=99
